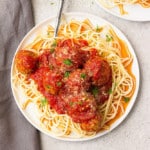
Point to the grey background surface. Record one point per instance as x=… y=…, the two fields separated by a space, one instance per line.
x=134 y=132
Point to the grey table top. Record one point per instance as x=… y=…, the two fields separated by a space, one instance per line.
x=134 y=132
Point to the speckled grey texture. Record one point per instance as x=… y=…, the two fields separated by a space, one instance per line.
x=134 y=132
x=16 y=133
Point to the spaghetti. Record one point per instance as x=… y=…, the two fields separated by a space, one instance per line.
x=117 y=84
x=122 y=3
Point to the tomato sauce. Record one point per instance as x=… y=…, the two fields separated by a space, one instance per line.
x=26 y=61
x=74 y=81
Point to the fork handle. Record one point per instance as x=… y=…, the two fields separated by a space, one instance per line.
x=58 y=17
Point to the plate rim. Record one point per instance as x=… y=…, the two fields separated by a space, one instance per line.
x=119 y=16
x=130 y=105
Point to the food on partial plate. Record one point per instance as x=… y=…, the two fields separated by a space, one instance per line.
x=122 y=3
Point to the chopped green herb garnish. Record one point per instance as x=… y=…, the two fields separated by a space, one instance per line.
x=52 y=50
x=54 y=44
x=126 y=99
x=80 y=102
x=108 y=38
x=70 y=103
x=43 y=101
x=51 y=67
x=110 y=91
x=59 y=83
x=48 y=33
x=48 y=86
x=95 y=91
x=52 y=3
x=67 y=73
x=98 y=29
x=68 y=62
x=116 y=85
x=86 y=98
x=83 y=75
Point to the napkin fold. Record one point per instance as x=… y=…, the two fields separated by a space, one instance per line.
x=16 y=133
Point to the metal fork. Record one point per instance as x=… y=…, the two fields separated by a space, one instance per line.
x=58 y=18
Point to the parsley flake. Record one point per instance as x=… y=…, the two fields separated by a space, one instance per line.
x=83 y=75
x=68 y=62
x=80 y=103
x=48 y=33
x=116 y=84
x=110 y=91
x=71 y=103
x=59 y=83
x=44 y=102
x=54 y=44
x=108 y=38
x=126 y=99
x=51 y=67
x=67 y=73
x=98 y=29
x=95 y=91
x=52 y=50
x=48 y=86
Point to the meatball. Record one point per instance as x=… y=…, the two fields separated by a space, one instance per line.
x=52 y=81
x=81 y=107
x=99 y=70
x=38 y=76
x=56 y=103
x=77 y=81
x=68 y=55
x=47 y=59
x=26 y=61
x=93 y=124
x=104 y=92
x=87 y=54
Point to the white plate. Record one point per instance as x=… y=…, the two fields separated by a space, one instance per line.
x=30 y=113
x=135 y=12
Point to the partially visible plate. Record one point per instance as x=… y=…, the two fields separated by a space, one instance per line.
x=30 y=113
x=135 y=12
